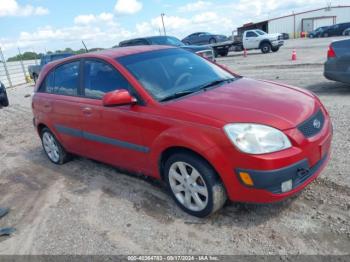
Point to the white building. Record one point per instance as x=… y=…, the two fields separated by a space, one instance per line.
x=307 y=21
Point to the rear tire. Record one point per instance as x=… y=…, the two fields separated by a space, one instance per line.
x=212 y=41
x=53 y=149
x=275 y=49
x=223 y=53
x=194 y=184
x=265 y=48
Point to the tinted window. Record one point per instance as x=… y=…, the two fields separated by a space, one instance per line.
x=165 y=72
x=251 y=34
x=67 y=79
x=101 y=78
x=63 y=80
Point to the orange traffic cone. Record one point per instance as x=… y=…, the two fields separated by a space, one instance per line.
x=294 y=55
x=245 y=52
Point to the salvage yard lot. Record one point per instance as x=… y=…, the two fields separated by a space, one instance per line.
x=85 y=207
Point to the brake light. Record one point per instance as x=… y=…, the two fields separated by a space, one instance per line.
x=331 y=52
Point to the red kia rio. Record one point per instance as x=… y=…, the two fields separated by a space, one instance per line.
x=173 y=115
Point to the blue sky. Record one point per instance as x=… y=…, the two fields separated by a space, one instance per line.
x=41 y=25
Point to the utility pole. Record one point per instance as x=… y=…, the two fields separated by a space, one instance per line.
x=162 y=15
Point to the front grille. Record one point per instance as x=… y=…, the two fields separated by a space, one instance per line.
x=313 y=125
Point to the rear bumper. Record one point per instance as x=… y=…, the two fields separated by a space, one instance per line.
x=334 y=72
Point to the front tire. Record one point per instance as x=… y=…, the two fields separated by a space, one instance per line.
x=53 y=149
x=223 y=53
x=265 y=48
x=194 y=184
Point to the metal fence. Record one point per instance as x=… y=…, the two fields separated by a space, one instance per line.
x=14 y=73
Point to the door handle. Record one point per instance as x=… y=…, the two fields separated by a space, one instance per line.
x=87 y=111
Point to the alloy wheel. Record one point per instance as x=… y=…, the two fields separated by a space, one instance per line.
x=188 y=186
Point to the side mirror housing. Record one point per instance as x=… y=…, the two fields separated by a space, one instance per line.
x=118 y=98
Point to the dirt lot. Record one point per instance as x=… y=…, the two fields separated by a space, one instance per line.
x=86 y=207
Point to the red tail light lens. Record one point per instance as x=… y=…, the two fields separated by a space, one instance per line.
x=331 y=52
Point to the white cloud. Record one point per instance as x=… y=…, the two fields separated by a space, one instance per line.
x=205 y=17
x=84 y=19
x=195 y=6
x=12 y=8
x=128 y=6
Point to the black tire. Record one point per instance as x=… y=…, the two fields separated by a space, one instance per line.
x=35 y=78
x=275 y=49
x=64 y=156
x=212 y=41
x=223 y=52
x=4 y=101
x=215 y=190
x=265 y=48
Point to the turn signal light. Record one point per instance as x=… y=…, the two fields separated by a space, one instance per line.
x=246 y=179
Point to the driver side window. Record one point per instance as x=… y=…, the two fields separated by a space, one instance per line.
x=251 y=34
x=101 y=78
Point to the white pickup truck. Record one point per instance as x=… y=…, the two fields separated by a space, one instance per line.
x=251 y=39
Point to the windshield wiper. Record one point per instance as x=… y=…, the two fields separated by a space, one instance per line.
x=197 y=89
x=177 y=95
x=215 y=83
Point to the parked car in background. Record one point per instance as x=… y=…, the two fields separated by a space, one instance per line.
x=317 y=32
x=34 y=70
x=204 y=51
x=335 y=30
x=337 y=67
x=203 y=38
x=208 y=133
x=346 y=32
x=4 y=101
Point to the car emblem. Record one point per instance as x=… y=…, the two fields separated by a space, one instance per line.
x=316 y=123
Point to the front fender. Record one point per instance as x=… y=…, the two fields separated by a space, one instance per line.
x=188 y=138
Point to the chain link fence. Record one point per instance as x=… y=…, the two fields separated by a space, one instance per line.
x=14 y=73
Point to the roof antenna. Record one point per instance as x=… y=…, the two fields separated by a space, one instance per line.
x=87 y=51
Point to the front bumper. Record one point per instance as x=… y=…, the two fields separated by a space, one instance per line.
x=301 y=163
x=277 y=43
x=272 y=180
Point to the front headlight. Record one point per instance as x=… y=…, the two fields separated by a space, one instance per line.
x=257 y=139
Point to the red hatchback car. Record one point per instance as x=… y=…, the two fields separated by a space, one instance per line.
x=170 y=114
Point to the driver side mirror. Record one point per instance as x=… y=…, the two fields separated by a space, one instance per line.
x=119 y=97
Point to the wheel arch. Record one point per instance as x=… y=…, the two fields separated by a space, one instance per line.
x=264 y=41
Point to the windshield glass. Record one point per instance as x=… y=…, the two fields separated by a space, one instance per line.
x=169 y=40
x=164 y=73
x=260 y=32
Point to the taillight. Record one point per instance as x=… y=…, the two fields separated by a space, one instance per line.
x=331 y=52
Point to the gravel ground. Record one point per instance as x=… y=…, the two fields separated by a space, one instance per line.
x=85 y=207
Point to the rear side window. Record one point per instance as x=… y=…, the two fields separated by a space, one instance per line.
x=63 y=80
x=67 y=79
x=101 y=78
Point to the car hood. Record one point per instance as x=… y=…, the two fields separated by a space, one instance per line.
x=251 y=101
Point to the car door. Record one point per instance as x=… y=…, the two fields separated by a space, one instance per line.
x=251 y=40
x=112 y=134
x=59 y=105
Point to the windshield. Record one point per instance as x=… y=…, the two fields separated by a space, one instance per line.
x=169 y=40
x=260 y=32
x=164 y=73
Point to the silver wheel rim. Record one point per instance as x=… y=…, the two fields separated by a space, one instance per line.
x=51 y=147
x=188 y=186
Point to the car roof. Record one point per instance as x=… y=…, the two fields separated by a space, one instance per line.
x=112 y=53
